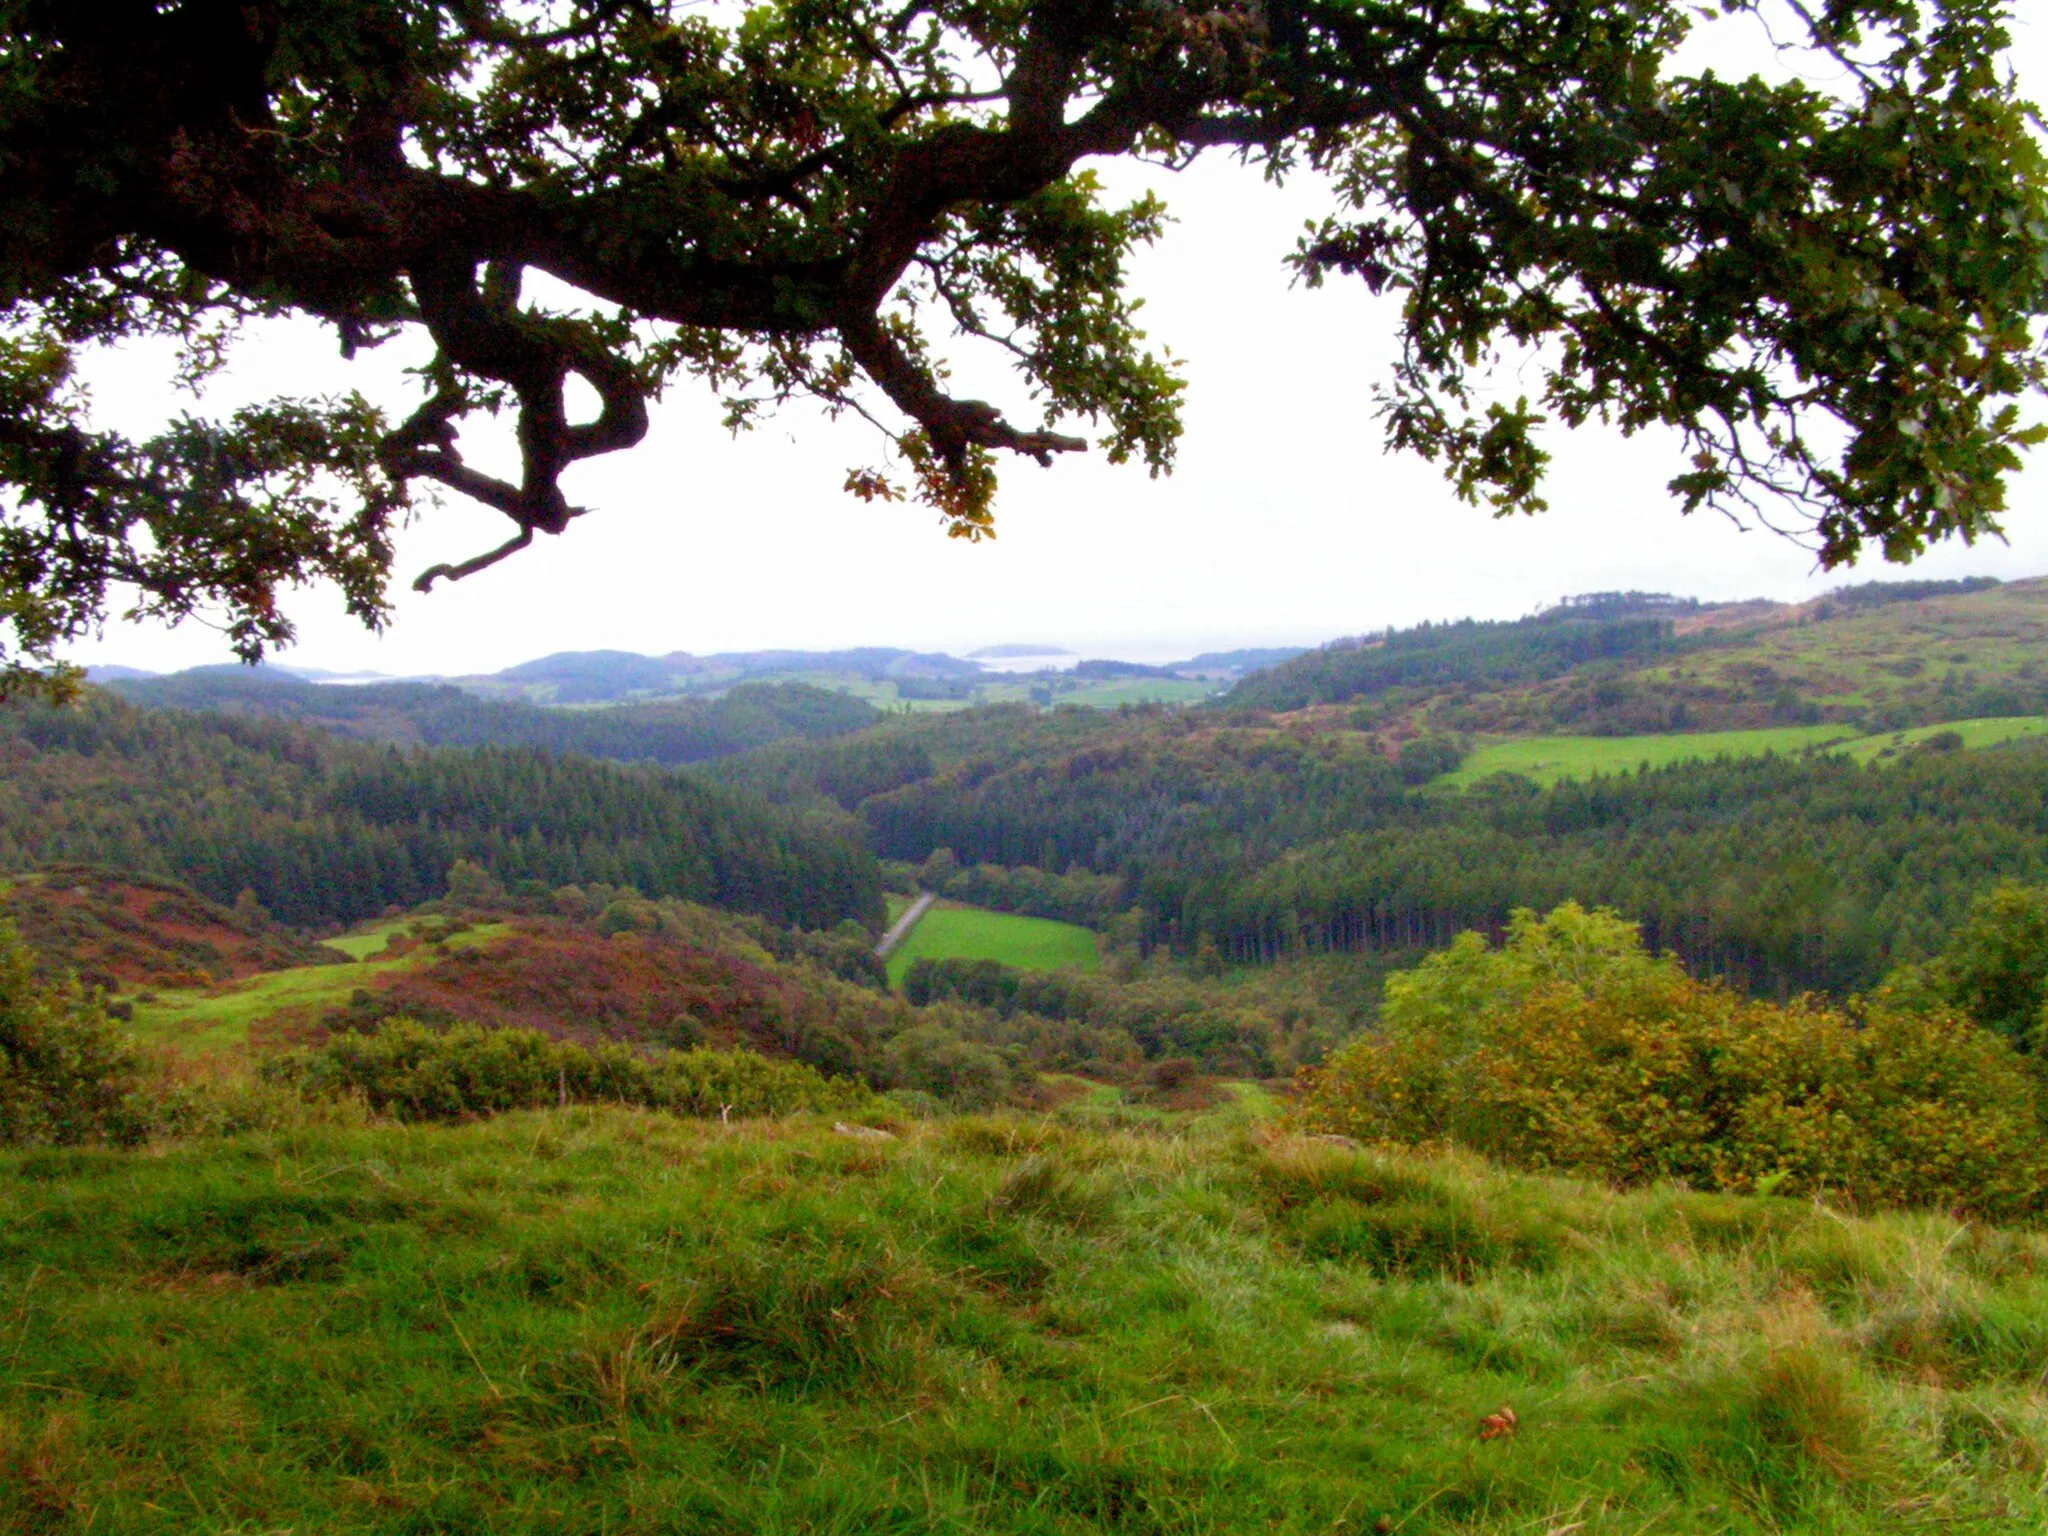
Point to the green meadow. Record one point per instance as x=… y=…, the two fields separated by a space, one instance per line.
x=953 y=932
x=1974 y=733
x=605 y=1320
x=1136 y=690
x=1549 y=759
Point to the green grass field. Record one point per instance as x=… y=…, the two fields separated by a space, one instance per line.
x=1137 y=690
x=953 y=932
x=1975 y=733
x=1549 y=759
x=601 y=1320
x=216 y=1018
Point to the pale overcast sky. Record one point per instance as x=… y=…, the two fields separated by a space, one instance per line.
x=1284 y=522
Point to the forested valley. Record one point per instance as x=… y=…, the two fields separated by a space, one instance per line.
x=1249 y=832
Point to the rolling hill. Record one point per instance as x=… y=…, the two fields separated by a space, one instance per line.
x=670 y=733
x=1879 y=657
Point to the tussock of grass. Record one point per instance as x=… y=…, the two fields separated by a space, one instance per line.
x=601 y=1318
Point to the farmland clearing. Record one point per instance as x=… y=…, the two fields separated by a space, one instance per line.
x=950 y=931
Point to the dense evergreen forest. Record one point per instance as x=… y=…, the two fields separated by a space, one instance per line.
x=1782 y=873
x=671 y=732
x=326 y=831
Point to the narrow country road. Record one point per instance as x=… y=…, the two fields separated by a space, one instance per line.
x=900 y=929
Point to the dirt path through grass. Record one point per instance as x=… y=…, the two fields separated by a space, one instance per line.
x=900 y=929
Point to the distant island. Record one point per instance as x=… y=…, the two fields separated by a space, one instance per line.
x=1013 y=652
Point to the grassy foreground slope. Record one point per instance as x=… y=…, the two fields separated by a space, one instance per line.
x=591 y=1320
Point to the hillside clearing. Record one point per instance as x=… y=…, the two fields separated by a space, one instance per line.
x=950 y=931
x=219 y=1018
x=1974 y=733
x=1548 y=760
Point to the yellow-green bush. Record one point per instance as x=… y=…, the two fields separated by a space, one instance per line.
x=1571 y=1048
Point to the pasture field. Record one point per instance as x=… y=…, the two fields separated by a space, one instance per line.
x=1136 y=690
x=950 y=931
x=601 y=1319
x=1947 y=646
x=1975 y=733
x=1548 y=759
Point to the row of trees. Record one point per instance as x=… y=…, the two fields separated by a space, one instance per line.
x=1076 y=896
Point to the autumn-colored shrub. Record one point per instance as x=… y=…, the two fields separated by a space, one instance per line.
x=1570 y=1048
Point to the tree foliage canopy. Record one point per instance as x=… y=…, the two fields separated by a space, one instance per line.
x=1829 y=289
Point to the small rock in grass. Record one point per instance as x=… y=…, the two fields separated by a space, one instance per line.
x=861 y=1132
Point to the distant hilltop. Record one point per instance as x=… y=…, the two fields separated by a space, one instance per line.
x=885 y=673
x=1509 y=651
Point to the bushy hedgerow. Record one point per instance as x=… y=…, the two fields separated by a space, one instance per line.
x=1570 y=1048
x=414 y=1073
x=65 y=1075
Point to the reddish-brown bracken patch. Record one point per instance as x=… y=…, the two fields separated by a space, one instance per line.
x=132 y=931
x=567 y=979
